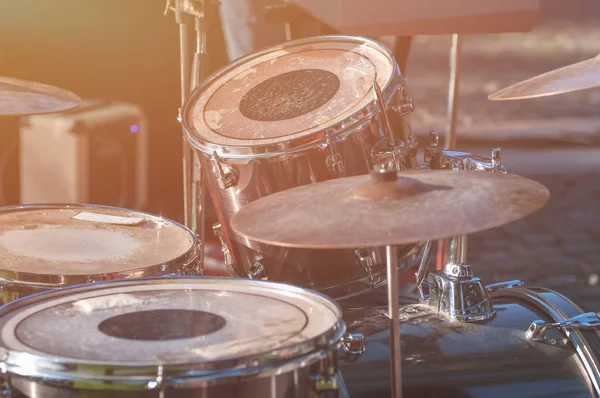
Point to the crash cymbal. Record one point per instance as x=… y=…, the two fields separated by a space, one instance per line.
x=579 y=76
x=364 y=211
x=20 y=97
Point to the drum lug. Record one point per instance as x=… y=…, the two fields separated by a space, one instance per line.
x=405 y=105
x=364 y=259
x=587 y=321
x=323 y=384
x=353 y=346
x=438 y=158
x=503 y=285
x=227 y=174
x=218 y=231
x=258 y=271
x=334 y=161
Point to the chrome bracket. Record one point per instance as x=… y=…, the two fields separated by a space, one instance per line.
x=405 y=104
x=227 y=175
x=353 y=346
x=439 y=158
x=364 y=259
x=218 y=231
x=455 y=292
x=333 y=161
x=403 y=156
x=258 y=271
x=587 y=321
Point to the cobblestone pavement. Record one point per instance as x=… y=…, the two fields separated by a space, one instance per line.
x=559 y=246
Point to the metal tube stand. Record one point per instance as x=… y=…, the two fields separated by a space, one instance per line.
x=394 y=315
x=194 y=188
x=457 y=245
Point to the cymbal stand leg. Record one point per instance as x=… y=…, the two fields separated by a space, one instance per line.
x=394 y=315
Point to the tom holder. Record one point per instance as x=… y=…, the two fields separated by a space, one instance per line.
x=454 y=290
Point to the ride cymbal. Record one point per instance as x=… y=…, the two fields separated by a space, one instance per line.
x=20 y=97
x=411 y=207
x=579 y=76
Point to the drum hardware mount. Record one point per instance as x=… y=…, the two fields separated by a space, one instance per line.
x=258 y=271
x=405 y=106
x=334 y=160
x=363 y=257
x=586 y=321
x=353 y=346
x=227 y=175
x=227 y=259
x=457 y=294
x=456 y=160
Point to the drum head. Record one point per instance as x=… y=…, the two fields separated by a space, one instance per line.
x=168 y=321
x=289 y=92
x=48 y=240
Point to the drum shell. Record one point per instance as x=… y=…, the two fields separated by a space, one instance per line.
x=289 y=384
x=14 y=285
x=450 y=359
x=334 y=272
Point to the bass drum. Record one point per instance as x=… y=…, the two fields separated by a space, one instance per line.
x=488 y=359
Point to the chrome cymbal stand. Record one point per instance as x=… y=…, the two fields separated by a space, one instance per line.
x=194 y=188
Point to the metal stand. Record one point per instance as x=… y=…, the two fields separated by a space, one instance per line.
x=450 y=142
x=194 y=188
x=394 y=314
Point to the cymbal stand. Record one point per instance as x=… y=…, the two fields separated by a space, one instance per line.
x=389 y=173
x=194 y=188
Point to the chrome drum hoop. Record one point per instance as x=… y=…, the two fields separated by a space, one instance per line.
x=16 y=284
x=560 y=308
x=39 y=372
x=252 y=168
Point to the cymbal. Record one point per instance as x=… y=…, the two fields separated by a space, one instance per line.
x=20 y=97
x=412 y=207
x=579 y=76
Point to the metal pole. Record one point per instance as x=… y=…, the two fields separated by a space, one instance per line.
x=394 y=315
x=457 y=246
x=450 y=142
x=185 y=90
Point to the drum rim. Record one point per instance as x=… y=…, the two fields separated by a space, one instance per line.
x=288 y=357
x=175 y=264
x=299 y=144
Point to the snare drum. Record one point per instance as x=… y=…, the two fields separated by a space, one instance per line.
x=292 y=115
x=172 y=337
x=49 y=246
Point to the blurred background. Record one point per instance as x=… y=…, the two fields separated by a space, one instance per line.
x=129 y=51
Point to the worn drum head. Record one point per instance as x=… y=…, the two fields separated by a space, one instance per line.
x=206 y=323
x=288 y=92
x=74 y=241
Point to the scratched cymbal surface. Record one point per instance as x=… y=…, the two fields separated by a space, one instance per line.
x=418 y=206
x=579 y=76
x=20 y=97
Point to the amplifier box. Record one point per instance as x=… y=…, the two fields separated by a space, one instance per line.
x=96 y=153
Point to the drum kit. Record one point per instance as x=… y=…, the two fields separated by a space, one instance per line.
x=306 y=152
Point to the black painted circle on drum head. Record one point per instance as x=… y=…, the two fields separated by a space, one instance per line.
x=162 y=324
x=289 y=95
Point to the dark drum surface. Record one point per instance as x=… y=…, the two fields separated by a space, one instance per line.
x=490 y=359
